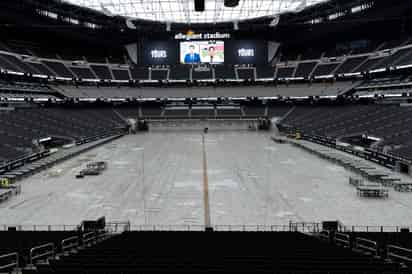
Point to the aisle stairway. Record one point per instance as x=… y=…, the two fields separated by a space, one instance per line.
x=216 y=252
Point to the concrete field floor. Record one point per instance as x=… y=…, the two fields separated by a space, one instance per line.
x=156 y=178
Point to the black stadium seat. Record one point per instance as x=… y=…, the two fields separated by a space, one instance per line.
x=285 y=72
x=180 y=72
x=20 y=127
x=217 y=252
x=59 y=68
x=304 y=69
x=202 y=74
x=140 y=73
x=121 y=74
x=84 y=73
x=159 y=74
x=19 y=64
x=324 y=69
x=385 y=122
x=224 y=72
x=22 y=241
x=42 y=69
x=102 y=72
x=265 y=72
x=246 y=73
x=350 y=64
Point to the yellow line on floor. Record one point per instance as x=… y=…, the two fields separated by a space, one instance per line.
x=205 y=186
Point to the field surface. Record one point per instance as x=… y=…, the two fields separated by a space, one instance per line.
x=158 y=178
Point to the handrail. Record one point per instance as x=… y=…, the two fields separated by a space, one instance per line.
x=342 y=238
x=359 y=244
x=39 y=227
x=12 y=263
x=301 y=227
x=93 y=237
x=325 y=234
x=69 y=244
x=21 y=160
x=367 y=154
x=251 y=227
x=397 y=256
x=107 y=133
x=49 y=252
x=309 y=227
x=88 y=237
x=126 y=226
x=118 y=225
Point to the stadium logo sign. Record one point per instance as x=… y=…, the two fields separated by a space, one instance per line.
x=246 y=52
x=157 y=54
x=190 y=35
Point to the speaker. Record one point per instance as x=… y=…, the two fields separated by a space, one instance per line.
x=101 y=223
x=12 y=228
x=231 y=3
x=90 y=225
x=199 y=5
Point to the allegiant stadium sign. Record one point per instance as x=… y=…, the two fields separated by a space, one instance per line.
x=201 y=36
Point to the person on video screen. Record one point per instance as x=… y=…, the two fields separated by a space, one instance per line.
x=211 y=52
x=192 y=57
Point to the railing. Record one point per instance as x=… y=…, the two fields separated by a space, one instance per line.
x=39 y=227
x=46 y=250
x=342 y=239
x=360 y=228
x=167 y=228
x=325 y=235
x=14 y=260
x=378 y=157
x=251 y=228
x=70 y=243
x=308 y=228
x=399 y=253
x=21 y=161
x=203 y=118
x=108 y=133
x=365 y=244
x=89 y=237
x=117 y=226
x=305 y=227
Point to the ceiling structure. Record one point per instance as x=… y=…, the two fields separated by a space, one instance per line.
x=182 y=11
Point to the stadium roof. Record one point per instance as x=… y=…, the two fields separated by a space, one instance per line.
x=182 y=11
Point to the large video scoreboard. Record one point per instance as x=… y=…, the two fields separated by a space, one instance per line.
x=203 y=49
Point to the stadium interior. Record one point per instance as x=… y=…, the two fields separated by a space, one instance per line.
x=205 y=136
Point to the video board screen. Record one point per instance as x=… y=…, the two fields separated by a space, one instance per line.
x=159 y=53
x=194 y=52
x=246 y=52
x=171 y=52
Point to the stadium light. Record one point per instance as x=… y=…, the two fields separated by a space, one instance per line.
x=300 y=7
x=275 y=21
x=130 y=24
x=106 y=11
x=236 y=25
x=199 y=5
x=231 y=3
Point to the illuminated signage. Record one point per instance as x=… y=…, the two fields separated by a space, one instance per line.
x=246 y=52
x=190 y=35
x=156 y=53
